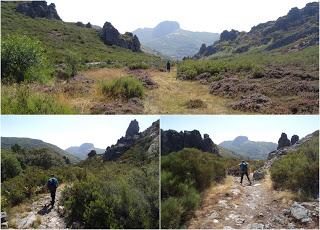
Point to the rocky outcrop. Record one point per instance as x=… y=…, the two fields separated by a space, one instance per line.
x=133 y=128
x=147 y=140
x=38 y=9
x=294 y=139
x=296 y=30
x=173 y=141
x=283 y=141
x=111 y=36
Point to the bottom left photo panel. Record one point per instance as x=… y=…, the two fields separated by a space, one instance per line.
x=80 y=171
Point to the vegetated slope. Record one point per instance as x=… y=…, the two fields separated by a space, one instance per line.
x=255 y=150
x=62 y=39
x=83 y=150
x=172 y=41
x=281 y=80
x=227 y=153
x=28 y=143
x=296 y=30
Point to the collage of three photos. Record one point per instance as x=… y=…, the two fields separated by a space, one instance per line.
x=160 y=114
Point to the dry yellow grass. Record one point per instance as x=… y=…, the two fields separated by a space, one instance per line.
x=104 y=73
x=172 y=94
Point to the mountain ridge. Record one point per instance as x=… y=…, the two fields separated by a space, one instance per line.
x=83 y=150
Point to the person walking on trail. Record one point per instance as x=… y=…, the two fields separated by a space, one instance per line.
x=168 y=66
x=244 y=170
x=52 y=187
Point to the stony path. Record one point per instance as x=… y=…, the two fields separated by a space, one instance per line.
x=41 y=214
x=232 y=206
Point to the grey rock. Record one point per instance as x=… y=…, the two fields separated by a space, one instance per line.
x=4 y=217
x=111 y=36
x=294 y=139
x=283 y=141
x=291 y=226
x=38 y=9
x=299 y=212
x=133 y=128
x=258 y=175
x=255 y=226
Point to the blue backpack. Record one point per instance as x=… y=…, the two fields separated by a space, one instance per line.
x=52 y=184
x=244 y=167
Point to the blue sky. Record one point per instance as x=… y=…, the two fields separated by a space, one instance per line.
x=256 y=127
x=195 y=15
x=65 y=130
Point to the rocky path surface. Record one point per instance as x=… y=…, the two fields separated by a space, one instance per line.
x=41 y=215
x=232 y=206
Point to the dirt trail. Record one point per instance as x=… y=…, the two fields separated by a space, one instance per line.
x=40 y=214
x=232 y=205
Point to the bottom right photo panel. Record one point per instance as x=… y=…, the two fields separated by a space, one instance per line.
x=239 y=172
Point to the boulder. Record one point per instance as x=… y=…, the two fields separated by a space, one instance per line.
x=38 y=9
x=294 y=139
x=300 y=213
x=111 y=36
x=92 y=153
x=283 y=141
x=258 y=175
x=133 y=128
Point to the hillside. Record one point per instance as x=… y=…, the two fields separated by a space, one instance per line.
x=172 y=41
x=294 y=31
x=254 y=150
x=82 y=151
x=227 y=153
x=63 y=38
x=28 y=143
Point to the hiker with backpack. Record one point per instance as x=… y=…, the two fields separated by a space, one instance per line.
x=244 y=170
x=52 y=187
x=168 y=66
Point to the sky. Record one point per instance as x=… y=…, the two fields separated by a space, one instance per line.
x=194 y=15
x=65 y=130
x=256 y=127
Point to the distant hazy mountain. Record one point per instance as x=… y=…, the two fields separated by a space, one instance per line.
x=227 y=153
x=172 y=41
x=83 y=150
x=256 y=150
x=28 y=143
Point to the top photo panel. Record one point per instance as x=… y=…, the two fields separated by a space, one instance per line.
x=160 y=57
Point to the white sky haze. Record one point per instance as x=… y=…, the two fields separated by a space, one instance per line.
x=194 y=15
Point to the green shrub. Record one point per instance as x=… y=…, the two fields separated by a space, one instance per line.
x=184 y=175
x=140 y=65
x=22 y=101
x=171 y=212
x=72 y=63
x=23 y=58
x=298 y=171
x=10 y=166
x=125 y=87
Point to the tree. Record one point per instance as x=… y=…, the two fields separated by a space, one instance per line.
x=10 y=166
x=92 y=153
x=16 y=148
x=22 y=58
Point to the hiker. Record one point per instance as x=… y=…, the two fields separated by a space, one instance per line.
x=168 y=66
x=244 y=171
x=52 y=186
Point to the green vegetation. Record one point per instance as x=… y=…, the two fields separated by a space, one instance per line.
x=23 y=59
x=184 y=175
x=140 y=65
x=189 y=69
x=20 y=100
x=298 y=171
x=125 y=87
x=60 y=38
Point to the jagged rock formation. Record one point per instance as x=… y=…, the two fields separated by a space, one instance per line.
x=172 y=141
x=111 y=36
x=38 y=9
x=298 y=29
x=133 y=128
x=283 y=141
x=277 y=154
x=147 y=140
x=294 y=139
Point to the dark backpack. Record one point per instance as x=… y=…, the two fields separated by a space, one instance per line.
x=244 y=167
x=52 y=184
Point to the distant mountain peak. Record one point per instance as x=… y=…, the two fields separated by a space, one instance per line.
x=165 y=27
x=240 y=139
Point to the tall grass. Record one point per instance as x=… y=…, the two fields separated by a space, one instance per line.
x=125 y=87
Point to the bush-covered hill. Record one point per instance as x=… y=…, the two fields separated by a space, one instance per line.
x=298 y=169
x=255 y=150
x=29 y=143
x=63 y=39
